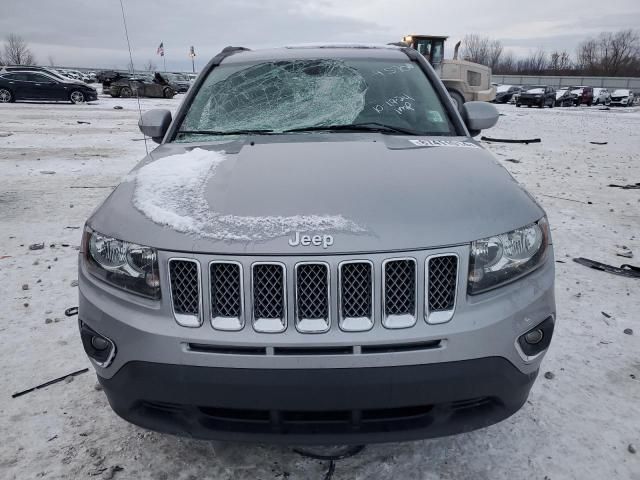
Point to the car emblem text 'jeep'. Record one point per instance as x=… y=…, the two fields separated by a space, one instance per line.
x=306 y=240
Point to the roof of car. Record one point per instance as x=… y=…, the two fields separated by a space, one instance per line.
x=319 y=50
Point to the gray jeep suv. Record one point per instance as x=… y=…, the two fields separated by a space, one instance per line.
x=317 y=252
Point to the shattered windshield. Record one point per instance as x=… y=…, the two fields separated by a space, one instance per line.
x=272 y=97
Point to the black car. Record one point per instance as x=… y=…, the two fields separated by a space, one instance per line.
x=179 y=82
x=506 y=92
x=538 y=96
x=31 y=84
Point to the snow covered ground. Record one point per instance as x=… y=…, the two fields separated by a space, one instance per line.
x=54 y=171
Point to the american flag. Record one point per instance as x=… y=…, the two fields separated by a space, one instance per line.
x=161 y=49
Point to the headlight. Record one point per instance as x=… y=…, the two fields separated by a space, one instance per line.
x=123 y=264
x=502 y=258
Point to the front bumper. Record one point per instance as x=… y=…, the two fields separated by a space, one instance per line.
x=319 y=406
x=210 y=384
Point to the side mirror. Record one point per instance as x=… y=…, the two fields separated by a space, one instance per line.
x=479 y=116
x=155 y=124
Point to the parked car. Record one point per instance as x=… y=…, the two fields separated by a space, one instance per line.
x=564 y=98
x=41 y=85
x=601 y=96
x=245 y=283
x=505 y=93
x=142 y=86
x=537 y=96
x=179 y=82
x=623 y=97
x=583 y=95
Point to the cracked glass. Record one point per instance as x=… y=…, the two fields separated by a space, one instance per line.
x=272 y=97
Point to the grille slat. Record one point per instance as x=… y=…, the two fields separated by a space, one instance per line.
x=442 y=279
x=268 y=289
x=356 y=296
x=399 y=293
x=312 y=297
x=226 y=295
x=185 y=291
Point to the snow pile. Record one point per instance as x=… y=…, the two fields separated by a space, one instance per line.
x=171 y=191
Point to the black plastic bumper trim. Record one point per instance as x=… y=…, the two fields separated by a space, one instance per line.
x=319 y=406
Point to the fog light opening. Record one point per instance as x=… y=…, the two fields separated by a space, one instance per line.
x=99 y=348
x=535 y=341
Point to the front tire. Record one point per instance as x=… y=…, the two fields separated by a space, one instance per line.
x=76 y=96
x=518 y=105
x=126 y=92
x=6 y=96
x=457 y=100
x=168 y=93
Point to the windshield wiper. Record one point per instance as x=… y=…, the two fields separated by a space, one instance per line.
x=228 y=132
x=358 y=127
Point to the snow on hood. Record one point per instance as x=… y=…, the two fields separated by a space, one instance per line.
x=171 y=191
x=536 y=90
x=503 y=88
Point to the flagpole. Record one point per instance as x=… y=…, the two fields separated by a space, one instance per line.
x=164 y=62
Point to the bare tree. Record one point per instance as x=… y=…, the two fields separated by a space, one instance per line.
x=482 y=50
x=150 y=66
x=52 y=62
x=611 y=54
x=560 y=62
x=17 y=52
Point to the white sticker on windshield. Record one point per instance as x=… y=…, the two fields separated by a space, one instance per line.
x=443 y=143
x=434 y=116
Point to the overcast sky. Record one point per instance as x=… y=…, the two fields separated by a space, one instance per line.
x=90 y=33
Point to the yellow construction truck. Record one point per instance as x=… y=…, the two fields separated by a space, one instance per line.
x=465 y=81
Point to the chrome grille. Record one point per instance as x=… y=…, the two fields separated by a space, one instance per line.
x=268 y=290
x=399 y=293
x=226 y=295
x=442 y=280
x=184 y=277
x=312 y=297
x=356 y=295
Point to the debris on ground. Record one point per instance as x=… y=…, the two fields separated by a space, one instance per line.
x=624 y=270
x=50 y=382
x=606 y=314
x=631 y=186
x=71 y=311
x=599 y=143
x=83 y=122
x=628 y=331
x=549 y=375
x=47 y=172
x=117 y=107
x=511 y=140
x=48 y=320
x=512 y=160
x=36 y=246
x=631 y=448
x=25 y=286
x=5 y=134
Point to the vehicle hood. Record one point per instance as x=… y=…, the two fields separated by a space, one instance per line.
x=535 y=91
x=389 y=193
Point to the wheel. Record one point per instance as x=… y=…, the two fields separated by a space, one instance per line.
x=589 y=104
x=76 y=96
x=168 y=93
x=529 y=106
x=126 y=92
x=597 y=102
x=5 y=96
x=552 y=104
x=457 y=100
x=114 y=93
x=518 y=105
x=542 y=103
